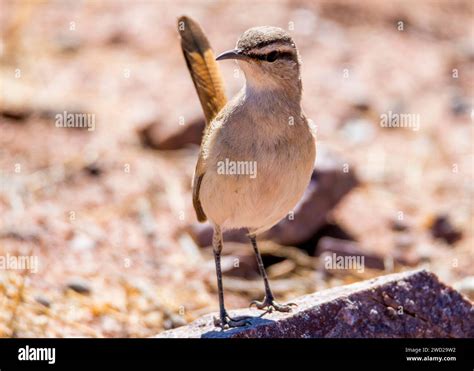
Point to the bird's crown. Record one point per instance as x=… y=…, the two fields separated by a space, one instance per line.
x=260 y=37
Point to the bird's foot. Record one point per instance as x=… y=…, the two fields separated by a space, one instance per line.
x=269 y=305
x=226 y=321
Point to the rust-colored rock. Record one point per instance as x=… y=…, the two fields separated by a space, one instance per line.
x=443 y=229
x=409 y=305
x=157 y=135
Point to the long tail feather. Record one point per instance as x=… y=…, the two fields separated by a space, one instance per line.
x=203 y=67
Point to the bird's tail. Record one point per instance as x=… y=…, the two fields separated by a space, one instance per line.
x=203 y=67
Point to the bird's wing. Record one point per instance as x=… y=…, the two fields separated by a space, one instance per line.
x=209 y=85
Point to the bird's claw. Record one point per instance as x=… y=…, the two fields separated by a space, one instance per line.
x=269 y=305
x=226 y=321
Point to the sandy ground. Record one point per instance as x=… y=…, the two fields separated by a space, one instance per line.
x=104 y=216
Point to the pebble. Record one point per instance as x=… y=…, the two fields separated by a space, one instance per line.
x=43 y=301
x=82 y=242
x=399 y=225
x=80 y=287
x=443 y=229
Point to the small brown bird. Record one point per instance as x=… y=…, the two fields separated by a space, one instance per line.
x=257 y=152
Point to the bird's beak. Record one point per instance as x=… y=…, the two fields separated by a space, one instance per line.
x=232 y=54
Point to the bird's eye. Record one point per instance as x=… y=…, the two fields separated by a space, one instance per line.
x=272 y=56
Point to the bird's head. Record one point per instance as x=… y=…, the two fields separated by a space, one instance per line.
x=268 y=57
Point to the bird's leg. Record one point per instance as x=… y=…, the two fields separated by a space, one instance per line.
x=224 y=319
x=268 y=303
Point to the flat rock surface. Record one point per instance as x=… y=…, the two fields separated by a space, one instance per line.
x=412 y=304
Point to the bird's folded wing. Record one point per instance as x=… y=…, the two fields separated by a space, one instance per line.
x=209 y=85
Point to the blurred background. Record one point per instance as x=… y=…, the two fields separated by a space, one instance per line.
x=104 y=215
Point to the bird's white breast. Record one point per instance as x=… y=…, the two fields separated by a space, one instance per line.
x=273 y=156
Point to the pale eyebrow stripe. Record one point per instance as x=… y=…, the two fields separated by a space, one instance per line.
x=278 y=46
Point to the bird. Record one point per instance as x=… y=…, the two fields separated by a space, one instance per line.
x=262 y=126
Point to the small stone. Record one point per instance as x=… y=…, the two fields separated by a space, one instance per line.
x=170 y=137
x=349 y=314
x=68 y=43
x=43 y=301
x=80 y=287
x=409 y=305
x=443 y=229
x=93 y=170
x=361 y=106
x=392 y=313
x=118 y=37
x=82 y=242
x=374 y=314
x=459 y=105
x=399 y=225
x=16 y=113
